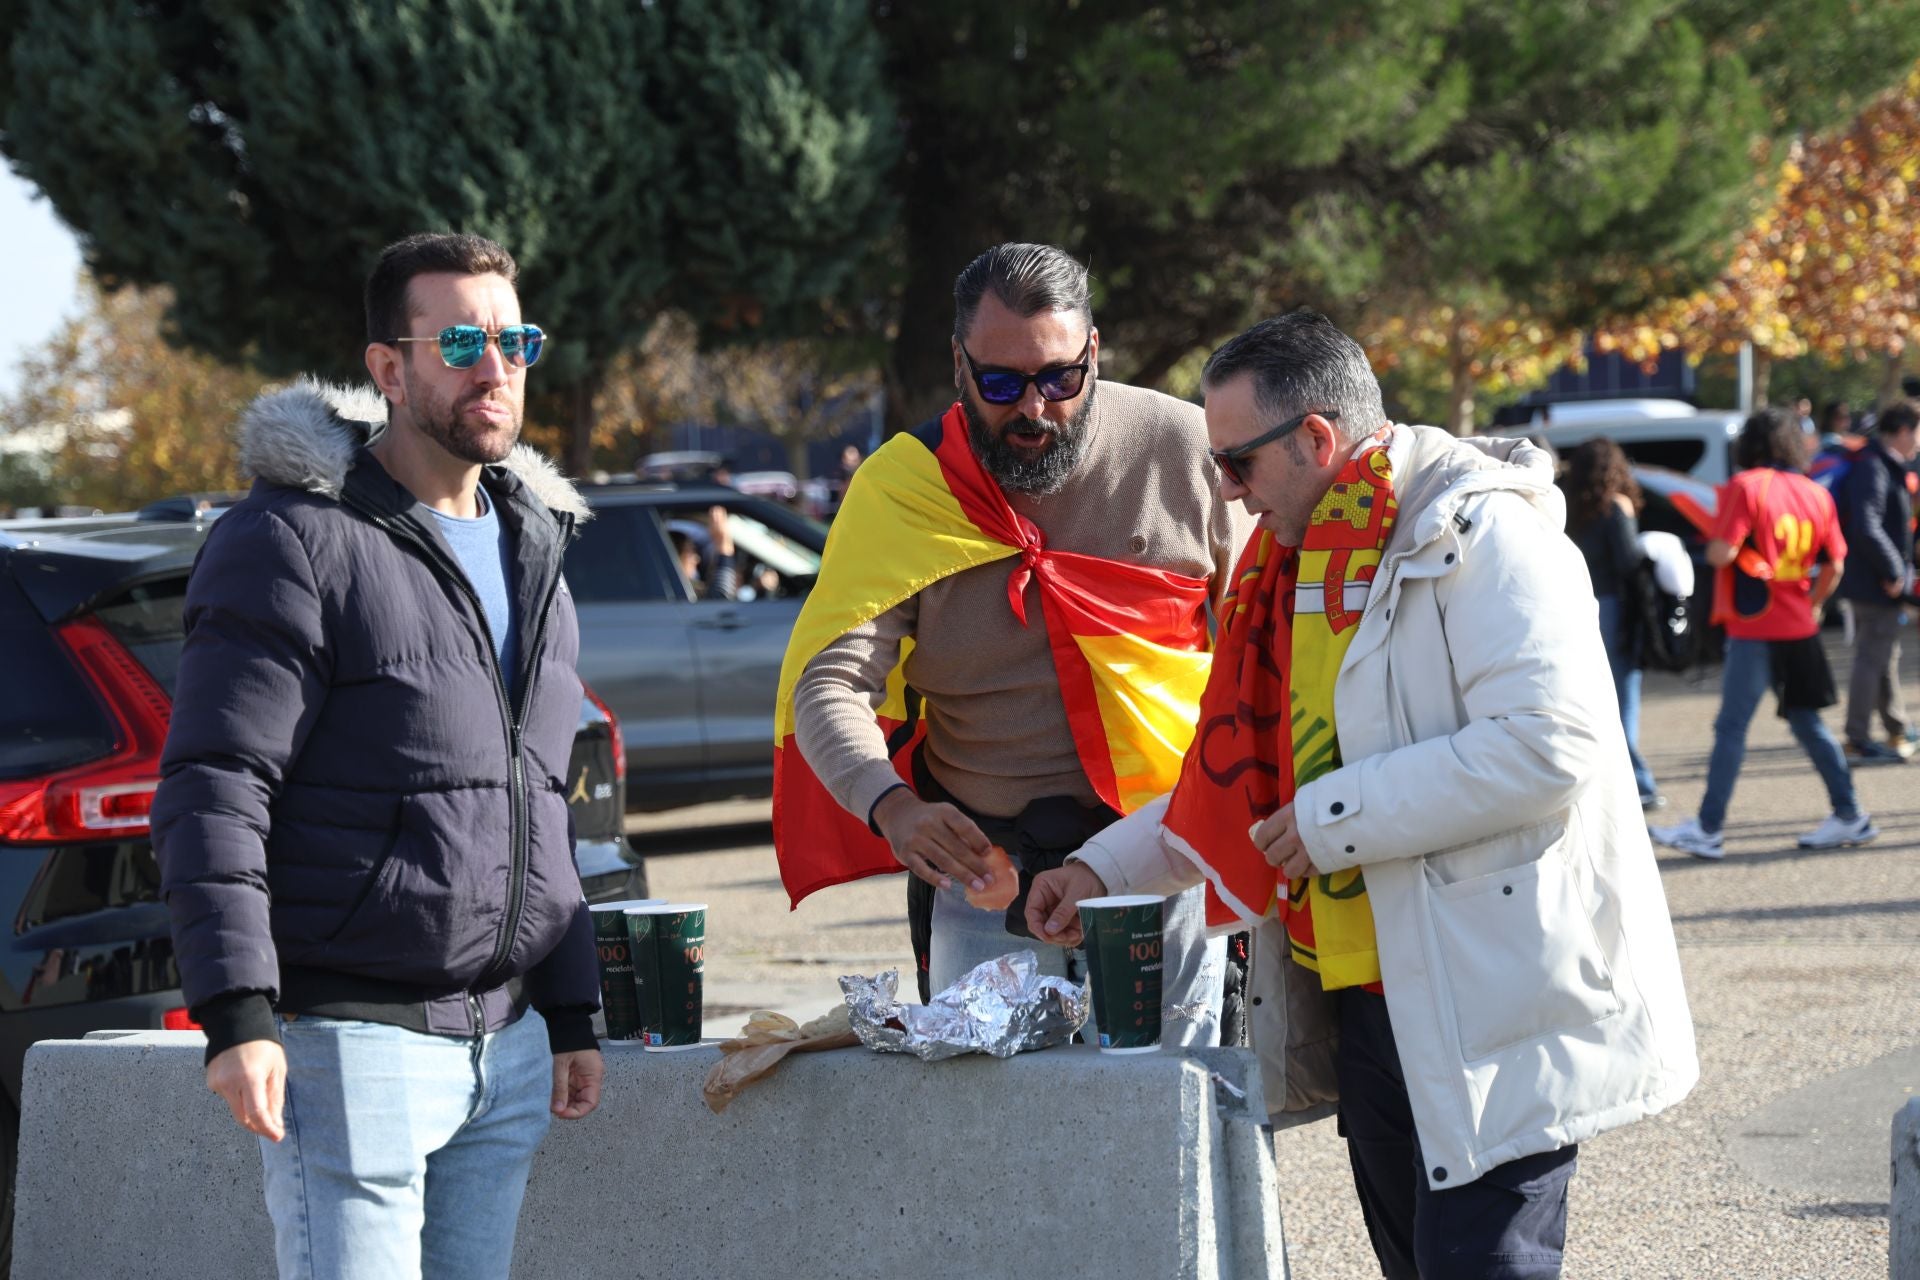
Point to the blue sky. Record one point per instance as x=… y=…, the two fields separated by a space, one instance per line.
x=39 y=274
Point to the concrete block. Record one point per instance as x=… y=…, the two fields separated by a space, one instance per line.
x=1904 y=1215
x=844 y=1164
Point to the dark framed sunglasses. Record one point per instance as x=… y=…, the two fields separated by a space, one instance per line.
x=1232 y=461
x=462 y=345
x=1004 y=386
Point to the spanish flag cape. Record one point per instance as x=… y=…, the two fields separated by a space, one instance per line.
x=1287 y=626
x=1129 y=643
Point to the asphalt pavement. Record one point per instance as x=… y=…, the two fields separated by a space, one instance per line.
x=1803 y=971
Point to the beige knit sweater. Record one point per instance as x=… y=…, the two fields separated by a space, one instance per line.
x=997 y=735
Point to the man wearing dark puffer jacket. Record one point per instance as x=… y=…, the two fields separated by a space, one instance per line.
x=363 y=837
x=1876 y=509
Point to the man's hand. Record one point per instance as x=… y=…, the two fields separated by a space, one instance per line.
x=252 y=1077
x=1053 y=902
x=576 y=1083
x=1278 y=839
x=936 y=842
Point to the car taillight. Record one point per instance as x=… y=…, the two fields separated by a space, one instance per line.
x=111 y=797
x=179 y=1020
x=613 y=727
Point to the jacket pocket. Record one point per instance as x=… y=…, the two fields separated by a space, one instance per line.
x=382 y=869
x=1520 y=955
x=431 y=913
x=553 y=893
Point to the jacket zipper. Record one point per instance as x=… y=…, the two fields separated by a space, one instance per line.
x=517 y=877
x=516 y=772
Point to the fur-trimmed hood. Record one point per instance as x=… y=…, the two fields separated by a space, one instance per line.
x=306 y=435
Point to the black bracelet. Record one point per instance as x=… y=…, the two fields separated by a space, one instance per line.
x=875 y=806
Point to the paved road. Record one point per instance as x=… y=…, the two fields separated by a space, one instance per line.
x=760 y=955
x=1803 y=971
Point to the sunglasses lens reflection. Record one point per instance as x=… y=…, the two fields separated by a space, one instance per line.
x=1002 y=388
x=461 y=345
x=1061 y=384
x=521 y=343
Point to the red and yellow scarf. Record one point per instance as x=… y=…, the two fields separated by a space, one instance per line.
x=1129 y=643
x=1289 y=621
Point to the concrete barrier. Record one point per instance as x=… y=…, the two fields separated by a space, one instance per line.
x=1904 y=1214
x=844 y=1164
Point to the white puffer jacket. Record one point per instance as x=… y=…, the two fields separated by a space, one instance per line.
x=1525 y=946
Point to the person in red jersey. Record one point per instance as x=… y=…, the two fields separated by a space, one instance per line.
x=1779 y=551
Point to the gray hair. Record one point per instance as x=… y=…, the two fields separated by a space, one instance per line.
x=1026 y=278
x=1301 y=363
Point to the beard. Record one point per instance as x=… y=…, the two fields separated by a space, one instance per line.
x=443 y=421
x=1017 y=472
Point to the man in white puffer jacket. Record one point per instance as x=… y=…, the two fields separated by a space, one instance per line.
x=1514 y=989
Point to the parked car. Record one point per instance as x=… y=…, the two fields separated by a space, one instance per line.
x=680 y=465
x=691 y=676
x=91 y=629
x=1696 y=443
x=781 y=486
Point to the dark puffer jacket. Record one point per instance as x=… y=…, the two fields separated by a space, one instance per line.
x=1879 y=525
x=354 y=818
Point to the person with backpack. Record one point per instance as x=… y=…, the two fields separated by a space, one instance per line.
x=1876 y=509
x=1603 y=505
x=1779 y=550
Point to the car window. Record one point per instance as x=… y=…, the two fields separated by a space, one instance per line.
x=147 y=619
x=1659 y=516
x=767 y=563
x=48 y=717
x=620 y=556
x=1674 y=454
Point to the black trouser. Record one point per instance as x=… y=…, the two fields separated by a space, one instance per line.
x=1509 y=1224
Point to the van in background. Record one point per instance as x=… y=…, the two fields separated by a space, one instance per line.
x=1693 y=442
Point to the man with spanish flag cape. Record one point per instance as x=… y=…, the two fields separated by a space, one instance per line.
x=1410 y=777
x=1008 y=638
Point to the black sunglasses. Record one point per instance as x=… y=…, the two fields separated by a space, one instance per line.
x=1004 y=386
x=1230 y=460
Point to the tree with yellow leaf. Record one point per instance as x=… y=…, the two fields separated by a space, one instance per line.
x=794 y=390
x=1854 y=289
x=1448 y=355
x=1831 y=267
x=137 y=418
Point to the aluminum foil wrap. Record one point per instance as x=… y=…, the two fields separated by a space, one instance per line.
x=1003 y=1007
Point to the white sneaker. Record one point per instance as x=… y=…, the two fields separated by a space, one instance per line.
x=1688 y=837
x=1838 y=832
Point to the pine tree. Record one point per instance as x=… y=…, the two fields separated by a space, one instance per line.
x=1219 y=159
x=255 y=158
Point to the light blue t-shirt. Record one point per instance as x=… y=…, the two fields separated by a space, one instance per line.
x=485 y=552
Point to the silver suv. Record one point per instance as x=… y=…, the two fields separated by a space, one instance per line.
x=685 y=645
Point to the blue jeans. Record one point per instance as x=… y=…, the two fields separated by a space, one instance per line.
x=1746 y=679
x=1194 y=972
x=406 y=1154
x=1624 y=659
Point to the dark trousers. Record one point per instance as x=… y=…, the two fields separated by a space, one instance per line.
x=1875 y=684
x=1509 y=1224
